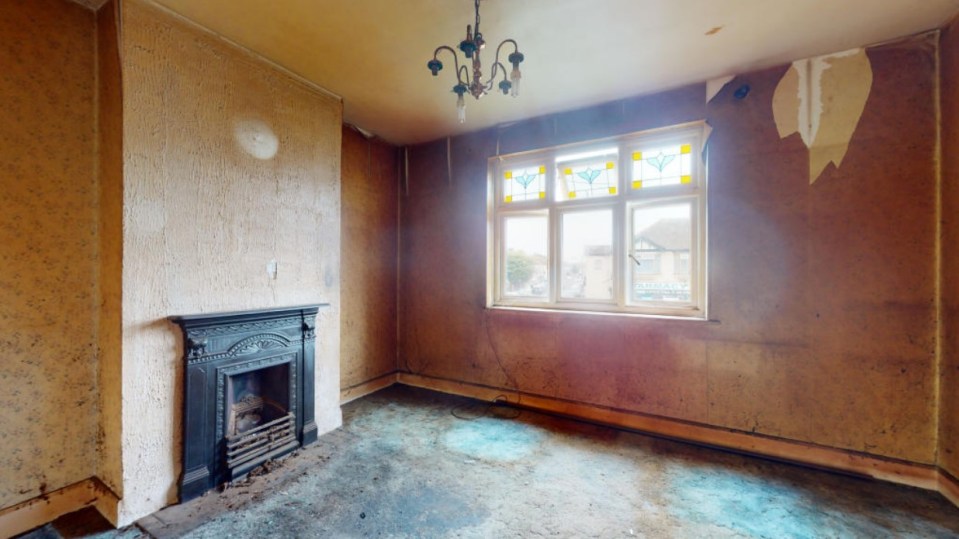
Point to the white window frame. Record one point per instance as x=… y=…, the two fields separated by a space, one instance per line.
x=622 y=204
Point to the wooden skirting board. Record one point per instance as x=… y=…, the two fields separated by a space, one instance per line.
x=851 y=462
x=365 y=388
x=949 y=486
x=38 y=511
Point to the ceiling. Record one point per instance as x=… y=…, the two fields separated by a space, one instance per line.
x=373 y=53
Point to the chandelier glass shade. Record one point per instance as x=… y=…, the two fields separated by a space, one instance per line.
x=471 y=80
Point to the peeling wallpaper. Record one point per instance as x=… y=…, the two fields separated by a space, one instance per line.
x=230 y=167
x=368 y=346
x=949 y=370
x=48 y=248
x=822 y=296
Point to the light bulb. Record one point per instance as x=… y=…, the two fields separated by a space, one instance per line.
x=461 y=108
x=514 y=78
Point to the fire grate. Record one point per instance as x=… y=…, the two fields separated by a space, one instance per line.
x=273 y=436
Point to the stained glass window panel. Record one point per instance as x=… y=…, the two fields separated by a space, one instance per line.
x=524 y=183
x=587 y=175
x=659 y=255
x=526 y=252
x=587 y=255
x=664 y=165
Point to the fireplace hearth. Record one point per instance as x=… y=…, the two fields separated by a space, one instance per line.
x=248 y=391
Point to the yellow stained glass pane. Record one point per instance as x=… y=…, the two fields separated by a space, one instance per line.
x=637 y=156
x=685 y=148
x=612 y=190
x=542 y=169
x=610 y=165
x=686 y=179
x=638 y=184
x=542 y=194
x=508 y=175
x=572 y=194
x=509 y=198
x=568 y=171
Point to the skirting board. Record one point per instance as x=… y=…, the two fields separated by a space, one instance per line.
x=906 y=473
x=365 y=388
x=38 y=511
x=949 y=487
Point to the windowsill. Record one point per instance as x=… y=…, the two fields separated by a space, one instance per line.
x=563 y=312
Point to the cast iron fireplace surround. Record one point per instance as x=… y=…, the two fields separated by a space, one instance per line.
x=248 y=391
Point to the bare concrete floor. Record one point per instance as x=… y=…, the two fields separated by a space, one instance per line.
x=404 y=465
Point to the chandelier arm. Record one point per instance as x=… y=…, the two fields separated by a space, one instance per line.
x=463 y=75
x=504 y=42
x=456 y=60
x=498 y=66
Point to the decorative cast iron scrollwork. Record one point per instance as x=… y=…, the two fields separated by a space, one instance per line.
x=196 y=348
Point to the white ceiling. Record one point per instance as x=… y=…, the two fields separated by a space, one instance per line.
x=373 y=53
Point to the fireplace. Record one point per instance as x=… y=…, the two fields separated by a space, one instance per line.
x=248 y=392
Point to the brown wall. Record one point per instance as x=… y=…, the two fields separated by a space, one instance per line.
x=368 y=287
x=48 y=247
x=110 y=278
x=209 y=202
x=822 y=296
x=949 y=390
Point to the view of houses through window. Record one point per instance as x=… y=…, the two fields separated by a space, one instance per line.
x=572 y=231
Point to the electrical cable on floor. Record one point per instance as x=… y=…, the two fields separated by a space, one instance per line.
x=498 y=407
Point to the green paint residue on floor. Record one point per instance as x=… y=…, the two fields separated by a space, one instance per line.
x=493 y=439
x=760 y=506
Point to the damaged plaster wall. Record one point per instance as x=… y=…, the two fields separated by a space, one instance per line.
x=231 y=202
x=368 y=287
x=48 y=248
x=822 y=99
x=949 y=369
x=822 y=296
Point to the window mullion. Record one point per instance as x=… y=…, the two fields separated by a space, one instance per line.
x=555 y=241
x=619 y=242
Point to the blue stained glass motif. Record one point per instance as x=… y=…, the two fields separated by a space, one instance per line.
x=661 y=160
x=589 y=175
x=524 y=183
x=665 y=165
x=526 y=179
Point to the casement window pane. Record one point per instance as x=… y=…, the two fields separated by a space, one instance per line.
x=666 y=165
x=526 y=250
x=587 y=255
x=524 y=183
x=660 y=251
x=587 y=175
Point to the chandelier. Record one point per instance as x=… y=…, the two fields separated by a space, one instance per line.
x=465 y=82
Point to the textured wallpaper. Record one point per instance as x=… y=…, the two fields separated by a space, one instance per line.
x=48 y=248
x=231 y=202
x=368 y=347
x=949 y=370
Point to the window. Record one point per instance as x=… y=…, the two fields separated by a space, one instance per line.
x=617 y=225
